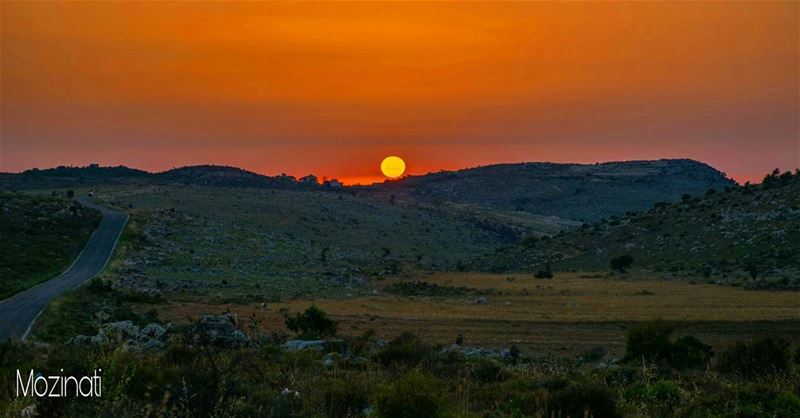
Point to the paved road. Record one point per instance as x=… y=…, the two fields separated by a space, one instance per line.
x=18 y=312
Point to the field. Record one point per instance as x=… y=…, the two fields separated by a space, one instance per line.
x=567 y=315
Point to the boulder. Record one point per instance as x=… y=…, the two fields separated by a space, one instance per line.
x=220 y=331
x=154 y=331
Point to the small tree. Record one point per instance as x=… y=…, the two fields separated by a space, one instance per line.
x=621 y=263
x=312 y=324
x=763 y=356
x=547 y=273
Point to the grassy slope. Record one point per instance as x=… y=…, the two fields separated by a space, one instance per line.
x=40 y=236
x=724 y=236
x=290 y=242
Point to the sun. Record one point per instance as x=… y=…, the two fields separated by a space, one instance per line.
x=393 y=167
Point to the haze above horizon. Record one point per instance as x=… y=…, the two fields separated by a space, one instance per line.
x=332 y=89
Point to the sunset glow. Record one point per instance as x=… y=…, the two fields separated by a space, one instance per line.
x=330 y=89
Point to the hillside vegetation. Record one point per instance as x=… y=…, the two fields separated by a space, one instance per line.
x=748 y=236
x=270 y=243
x=40 y=236
x=585 y=192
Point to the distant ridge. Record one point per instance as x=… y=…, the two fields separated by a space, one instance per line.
x=581 y=192
x=585 y=192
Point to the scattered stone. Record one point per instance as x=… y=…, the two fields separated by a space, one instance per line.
x=481 y=300
x=290 y=392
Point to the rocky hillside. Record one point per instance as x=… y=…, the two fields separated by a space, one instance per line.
x=584 y=192
x=748 y=235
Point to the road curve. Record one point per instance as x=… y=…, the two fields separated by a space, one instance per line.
x=18 y=312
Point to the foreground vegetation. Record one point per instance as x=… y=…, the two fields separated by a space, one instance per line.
x=40 y=236
x=660 y=376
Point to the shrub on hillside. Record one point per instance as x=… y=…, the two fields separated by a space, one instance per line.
x=405 y=350
x=312 y=324
x=547 y=273
x=651 y=342
x=689 y=352
x=621 y=263
x=487 y=371
x=344 y=397
x=763 y=356
x=584 y=400
x=414 y=395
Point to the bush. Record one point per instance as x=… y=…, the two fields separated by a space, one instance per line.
x=547 y=273
x=405 y=350
x=651 y=342
x=412 y=396
x=688 y=352
x=312 y=324
x=344 y=397
x=763 y=356
x=487 y=371
x=786 y=405
x=659 y=399
x=621 y=263
x=585 y=400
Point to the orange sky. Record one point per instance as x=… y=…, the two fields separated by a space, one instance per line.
x=331 y=88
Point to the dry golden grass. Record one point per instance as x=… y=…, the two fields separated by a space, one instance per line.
x=567 y=313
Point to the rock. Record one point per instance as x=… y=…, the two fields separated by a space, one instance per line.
x=289 y=392
x=150 y=344
x=86 y=340
x=476 y=351
x=298 y=345
x=219 y=330
x=30 y=411
x=328 y=361
x=120 y=331
x=154 y=331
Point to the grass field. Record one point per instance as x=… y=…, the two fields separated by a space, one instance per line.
x=567 y=314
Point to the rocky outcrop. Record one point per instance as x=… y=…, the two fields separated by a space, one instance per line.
x=125 y=332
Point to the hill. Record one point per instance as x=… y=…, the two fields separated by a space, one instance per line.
x=748 y=236
x=585 y=192
x=94 y=175
x=40 y=236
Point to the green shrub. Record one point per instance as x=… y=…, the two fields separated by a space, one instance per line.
x=412 y=396
x=487 y=371
x=649 y=341
x=689 y=352
x=585 y=400
x=544 y=274
x=621 y=263
x=786 y=405
x=405 y=350
x=763 y=356
x=344 y=397
x=516 y=397
x=312 y=324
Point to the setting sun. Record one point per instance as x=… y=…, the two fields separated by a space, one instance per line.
x=393 y=167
